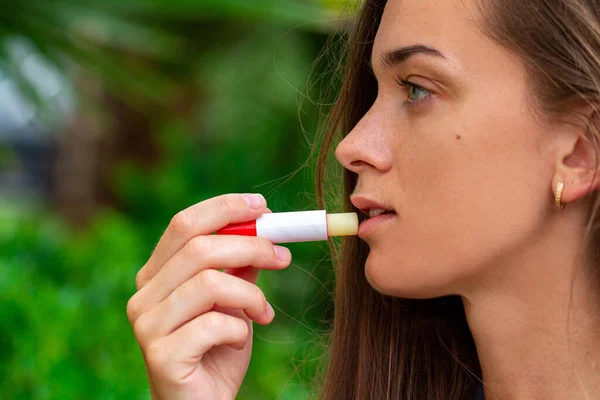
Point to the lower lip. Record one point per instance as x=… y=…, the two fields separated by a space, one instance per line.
x=369 y=225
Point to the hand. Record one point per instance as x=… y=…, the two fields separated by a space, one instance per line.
x=192 y=321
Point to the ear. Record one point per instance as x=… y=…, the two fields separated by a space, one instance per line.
x=578 y=160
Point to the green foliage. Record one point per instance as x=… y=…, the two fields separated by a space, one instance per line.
x=64 y=331
x=103 y=35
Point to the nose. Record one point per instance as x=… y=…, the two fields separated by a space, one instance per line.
x=365 y=146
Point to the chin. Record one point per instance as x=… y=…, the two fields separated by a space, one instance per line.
x=378 y=277
x=387 y=279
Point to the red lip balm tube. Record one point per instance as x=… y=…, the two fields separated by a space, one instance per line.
x=297 y=226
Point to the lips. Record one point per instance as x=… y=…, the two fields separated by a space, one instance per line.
x=370 y=207
x=373 y=212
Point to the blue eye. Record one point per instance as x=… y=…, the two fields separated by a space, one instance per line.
x=415 y=93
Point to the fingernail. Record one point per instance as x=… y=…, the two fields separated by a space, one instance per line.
x=283 y=253
x=270 y=311
x=255 y=201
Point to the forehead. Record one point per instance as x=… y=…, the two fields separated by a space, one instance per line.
x=447 y=25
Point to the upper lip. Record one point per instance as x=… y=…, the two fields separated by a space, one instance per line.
x=365 y=204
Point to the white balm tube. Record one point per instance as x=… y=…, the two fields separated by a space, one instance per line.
x=287 y=227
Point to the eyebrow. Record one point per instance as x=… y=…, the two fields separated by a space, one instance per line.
x=399 y=56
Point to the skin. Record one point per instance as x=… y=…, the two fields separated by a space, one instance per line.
x=469 y=166
x=193 y=322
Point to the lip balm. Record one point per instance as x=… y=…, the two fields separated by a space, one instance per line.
x=297 y=226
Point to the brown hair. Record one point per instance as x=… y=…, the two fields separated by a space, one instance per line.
x=393 y=348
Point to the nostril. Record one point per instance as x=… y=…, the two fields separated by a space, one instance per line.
x=357 y=163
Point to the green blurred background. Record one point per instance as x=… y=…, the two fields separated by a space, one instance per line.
x=116 y=114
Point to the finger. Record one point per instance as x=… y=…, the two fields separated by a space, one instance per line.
x=188 y=344
x=201 y=294
x=248 y=273
x=208 y=252
x=203 y=218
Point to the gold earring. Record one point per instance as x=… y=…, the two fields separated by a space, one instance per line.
x=558 y=195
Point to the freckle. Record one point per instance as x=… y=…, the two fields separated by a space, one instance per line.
x=458 y=137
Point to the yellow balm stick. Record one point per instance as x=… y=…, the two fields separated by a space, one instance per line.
x=345 y=224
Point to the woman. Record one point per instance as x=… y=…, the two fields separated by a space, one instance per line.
x=473 y=123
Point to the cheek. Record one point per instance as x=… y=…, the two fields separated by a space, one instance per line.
x=468 y=151
x=463 y=202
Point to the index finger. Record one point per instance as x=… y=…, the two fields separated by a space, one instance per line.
x=203 y=218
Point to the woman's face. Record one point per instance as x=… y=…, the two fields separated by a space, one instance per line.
x=452 y=147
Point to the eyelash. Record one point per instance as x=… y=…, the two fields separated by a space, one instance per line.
x=407 y=85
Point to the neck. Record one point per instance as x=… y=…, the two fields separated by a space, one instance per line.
x=536 y=324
